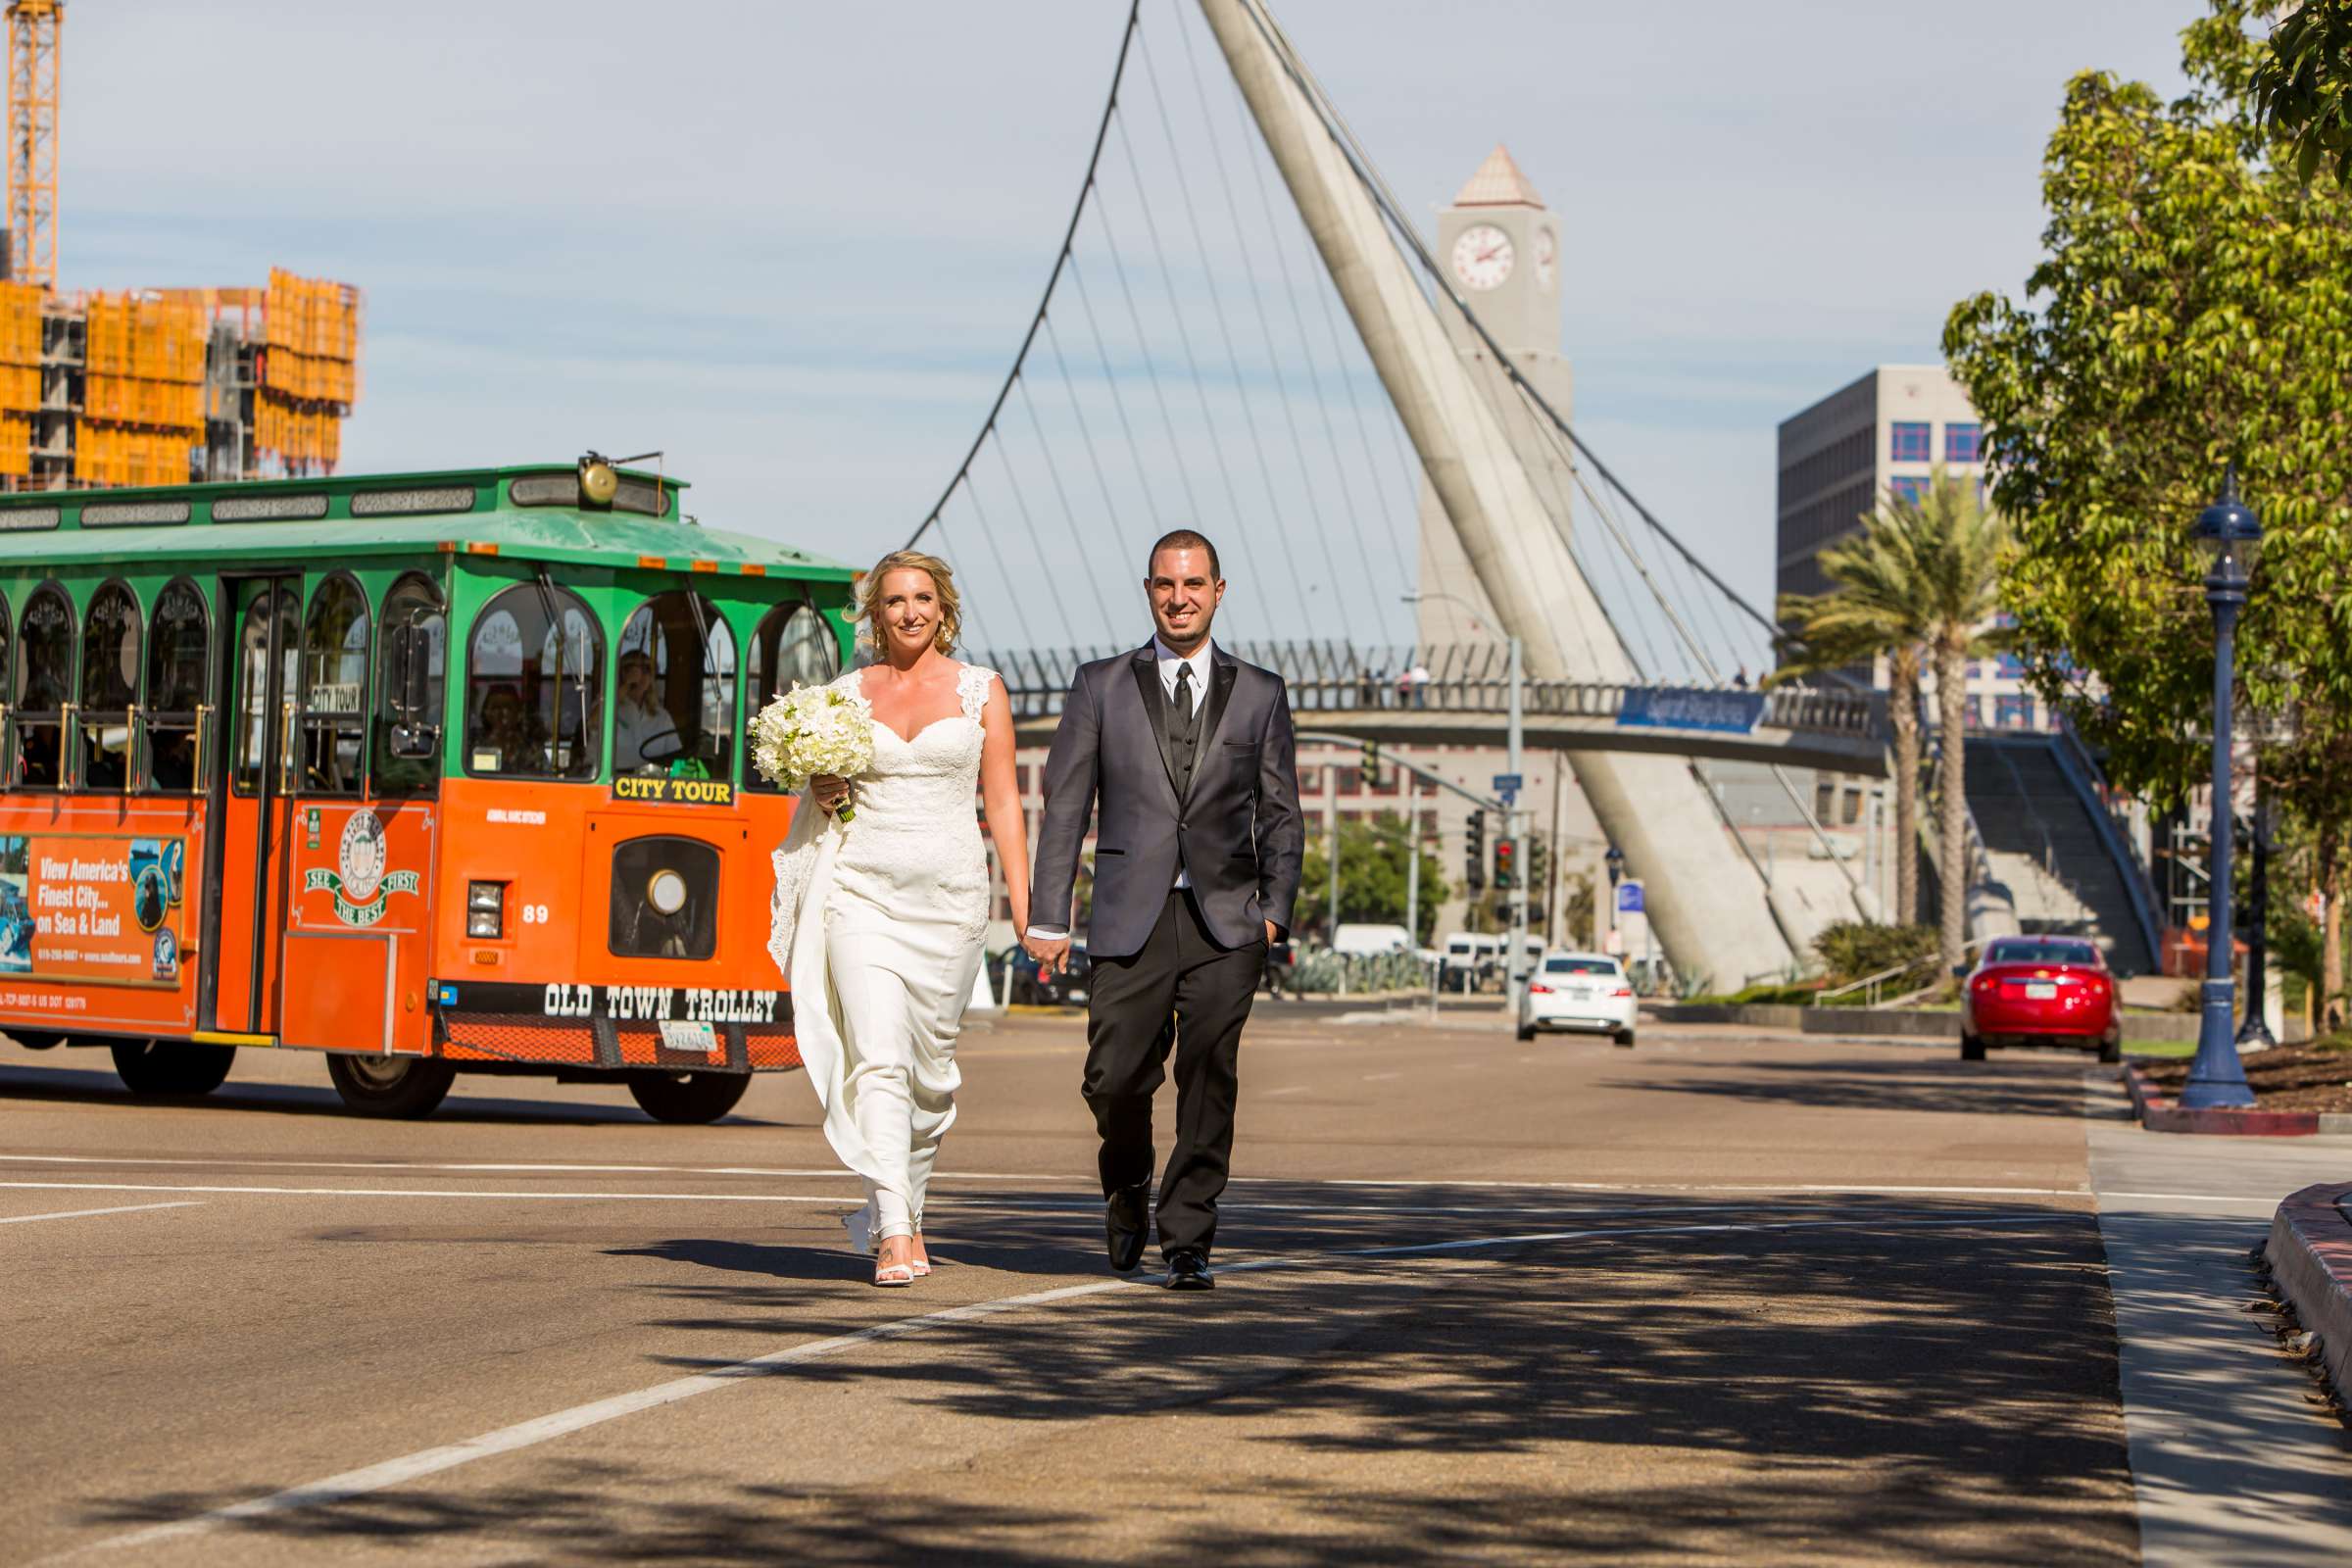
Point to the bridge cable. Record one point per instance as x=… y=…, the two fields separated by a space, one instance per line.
x=1352 y=150
x=972 y=492
x=1225 y=331
x=1324 y=530
x=1306 y=349
x=1062 y=257
x=971 y=603
x=1192 y=362
x=1069 y=512
x=1086 y=436
x=1118 y=401
x=1029 y=524
x=1159 y=394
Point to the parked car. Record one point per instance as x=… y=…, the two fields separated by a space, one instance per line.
x=2040 y=991
x=1587 y=991
x=1363 y=939
x=1049 y=991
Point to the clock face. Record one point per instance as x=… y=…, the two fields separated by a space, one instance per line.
x=1482 y=257
x=1547 y=258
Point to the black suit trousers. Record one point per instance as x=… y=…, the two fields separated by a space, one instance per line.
x=1181 y=990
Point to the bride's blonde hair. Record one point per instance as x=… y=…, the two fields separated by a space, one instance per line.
x=942 y=582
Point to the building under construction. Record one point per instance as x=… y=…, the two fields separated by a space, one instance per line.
x=153 y=387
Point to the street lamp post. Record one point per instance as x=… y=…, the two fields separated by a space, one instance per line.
x=2231 y=536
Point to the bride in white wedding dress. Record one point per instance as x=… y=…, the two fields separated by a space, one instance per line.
x=878 y=921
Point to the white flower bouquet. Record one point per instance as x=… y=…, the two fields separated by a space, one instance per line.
x=812 y=730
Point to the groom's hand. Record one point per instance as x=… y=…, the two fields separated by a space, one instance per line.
x=1053 y=954
x=1273 y=935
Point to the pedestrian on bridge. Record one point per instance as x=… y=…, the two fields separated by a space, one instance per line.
x=1188 y=757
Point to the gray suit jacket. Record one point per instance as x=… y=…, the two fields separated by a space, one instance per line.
x=1237 y=831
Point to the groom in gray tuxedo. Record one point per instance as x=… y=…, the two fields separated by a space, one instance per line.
x=1191 y=756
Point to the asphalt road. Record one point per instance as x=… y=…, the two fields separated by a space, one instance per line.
x=1710 y=1299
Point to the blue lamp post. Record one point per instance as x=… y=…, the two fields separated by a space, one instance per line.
x=2231 y=536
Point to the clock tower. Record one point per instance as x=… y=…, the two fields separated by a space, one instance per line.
x=1500 y=247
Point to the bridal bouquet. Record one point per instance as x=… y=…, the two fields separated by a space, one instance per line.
x=812 y=730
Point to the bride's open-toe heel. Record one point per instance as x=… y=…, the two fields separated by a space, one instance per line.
x=887 y=1273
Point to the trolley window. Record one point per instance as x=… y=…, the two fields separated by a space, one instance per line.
x=7 y=647
x=675 y=708
x=534 y=686
x=413 y=680
x=178 y=653
x=793 y=646
x=44 y=675
x=334 y=689
x=110 y=686
x=253 y=681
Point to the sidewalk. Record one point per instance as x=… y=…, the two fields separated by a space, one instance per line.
x=2232 y=1460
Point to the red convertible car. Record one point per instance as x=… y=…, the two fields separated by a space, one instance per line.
x=2040 y=991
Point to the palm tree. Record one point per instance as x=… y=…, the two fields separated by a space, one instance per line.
x=1960 y=551
x=1916 y=586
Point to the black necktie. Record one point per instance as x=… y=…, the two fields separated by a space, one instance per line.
x=1184 y=728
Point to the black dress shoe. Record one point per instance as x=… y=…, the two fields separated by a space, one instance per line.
x=1188 y=1270
x=1126 y=1220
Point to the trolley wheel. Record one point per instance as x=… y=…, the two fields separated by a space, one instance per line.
x=1972 y=1047
x=399 y=1087
x=36 y=1038
x=172 y=1068
x=688 y=1097
x=1625 y=1037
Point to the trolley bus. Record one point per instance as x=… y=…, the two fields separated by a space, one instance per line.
x=431 y=772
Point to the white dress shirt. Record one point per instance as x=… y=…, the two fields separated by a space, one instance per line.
x=1171 y=662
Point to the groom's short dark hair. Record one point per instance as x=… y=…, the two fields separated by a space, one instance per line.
x=1183 y=539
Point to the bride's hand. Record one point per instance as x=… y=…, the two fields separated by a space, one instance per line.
x=830 y=791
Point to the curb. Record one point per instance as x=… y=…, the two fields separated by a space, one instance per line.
x=2161 y=1115
x=2310 y=1253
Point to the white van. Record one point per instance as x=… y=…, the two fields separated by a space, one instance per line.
x=1359 y=939
x=1470 y=957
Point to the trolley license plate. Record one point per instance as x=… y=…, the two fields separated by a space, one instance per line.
x=2040 y=990
x=689 y=1035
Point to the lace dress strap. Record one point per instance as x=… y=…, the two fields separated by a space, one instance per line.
x=971 y=687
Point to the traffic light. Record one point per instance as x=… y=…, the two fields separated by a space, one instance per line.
x=1474 y=852
x=1506 y=863
x=1372 y=766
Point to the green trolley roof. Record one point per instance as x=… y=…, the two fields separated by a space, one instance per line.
x=534 y=513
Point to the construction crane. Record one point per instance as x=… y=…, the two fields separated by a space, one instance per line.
x=33 y=32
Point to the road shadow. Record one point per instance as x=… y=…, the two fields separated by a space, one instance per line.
x=1816 y=1380
x=2040 y=1085
x=101 y=1087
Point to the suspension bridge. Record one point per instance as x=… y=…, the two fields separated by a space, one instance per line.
x=1243 y=330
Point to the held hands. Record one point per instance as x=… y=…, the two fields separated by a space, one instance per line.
x=830 y=791
x=1053 y=954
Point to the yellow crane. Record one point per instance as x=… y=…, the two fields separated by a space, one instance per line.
x=35 y=27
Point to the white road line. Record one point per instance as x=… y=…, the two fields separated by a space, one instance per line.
x=431 y=1192
x=1292 y=1089
x=1380 y=1077
x=91 y=1214
x=1086 y=1183
x=542 y=1429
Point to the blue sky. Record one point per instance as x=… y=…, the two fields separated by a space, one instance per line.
x=795 y=245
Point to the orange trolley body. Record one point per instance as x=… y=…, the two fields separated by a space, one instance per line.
x=433 y=772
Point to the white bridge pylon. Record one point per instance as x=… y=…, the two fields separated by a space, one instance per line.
x=1708 y=904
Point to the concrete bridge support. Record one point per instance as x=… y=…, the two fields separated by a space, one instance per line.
x=1707 y=902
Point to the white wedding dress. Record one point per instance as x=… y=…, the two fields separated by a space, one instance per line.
x=877 y=924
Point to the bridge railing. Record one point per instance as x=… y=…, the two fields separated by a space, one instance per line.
x=1474 y=679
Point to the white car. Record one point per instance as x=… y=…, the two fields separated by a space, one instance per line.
x=1587 y=992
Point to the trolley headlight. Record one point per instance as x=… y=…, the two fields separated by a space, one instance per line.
x=665 y=892
x=485 y=909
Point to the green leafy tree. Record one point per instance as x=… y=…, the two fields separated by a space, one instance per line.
x=1373 y=873
x=2195 y=306
x=2303 y=86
